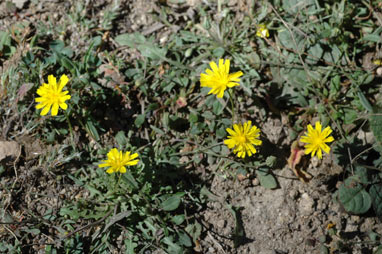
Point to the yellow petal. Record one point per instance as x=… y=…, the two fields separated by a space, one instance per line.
x=232 y=84
x=63 y=81
x=305 y=139
x=319 y=154
x=52 y=80
x=64 y=106
x=318 y=126
x=310 y=129
x=133 y=156
x=45 y=110
x=105 y=164
x=237 y=128
x=226 y=66
x=122 y=170
x=54 y=109
x=220 y=94
x=41 y=105
x=230 y=131
x=214 y=67
x=234 y=76
x=40 y=99
x=326 y=148
x=132 y=163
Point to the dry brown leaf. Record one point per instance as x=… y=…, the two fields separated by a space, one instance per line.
x=19 y=3
x=9 y=149
x=241 y=177
x=112 y=77
x=23 y=90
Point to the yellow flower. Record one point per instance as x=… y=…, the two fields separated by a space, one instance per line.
x=218 y=79
x=377 y=62
x=242 y=139
x=316 y=139
x=262 y=31
x=116 y=161
x=52 y=95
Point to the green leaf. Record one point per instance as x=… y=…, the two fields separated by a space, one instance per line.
x=238 y=233
x=157 y=130
x=139 y=120
x=173 y=248
x=296 y=6
x=130 y=246
x=193 y=117
x=146 y=47
x=365 y=103
x=354 y=197
x=121 y=138
x=373 y=38
x=376 y=198
x=194 y=230
x=378 y=250
x=129 y=178
x=184 y=239
x=314 y=54
x=217 y=107
x=172 y=202
x=334 y=56
x=49 y=250
x=267 y=180
x=93 y=191
x=373 y=236
x=324 y=249
x=178 y=219
x=92 y=130
x=33 y=231
x=218 y=52
x=291 y=41
x=350 y=115
x=375 y=120
x=271 y=161
x=5 y=39
x=56 y=45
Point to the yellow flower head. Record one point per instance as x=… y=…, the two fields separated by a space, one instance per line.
x=116 y=161
x=262 y=31
x=316 y=139
x=52 y=95
x=242 y=139
x=377 y=62
x=218 y=78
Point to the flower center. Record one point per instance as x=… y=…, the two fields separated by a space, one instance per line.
x=223 y=79
x=317 y=140
x=54 y=97
x=241 y=139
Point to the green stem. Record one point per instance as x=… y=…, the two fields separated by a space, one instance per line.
x=233 y=107
x=70 y=130
x=117 y=185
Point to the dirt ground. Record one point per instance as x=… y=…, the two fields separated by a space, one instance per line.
x=294 y=218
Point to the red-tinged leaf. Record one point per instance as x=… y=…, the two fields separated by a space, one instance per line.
x=296 y=153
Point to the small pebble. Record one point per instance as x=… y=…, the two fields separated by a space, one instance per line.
x=255 y=182
x=220 y=224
